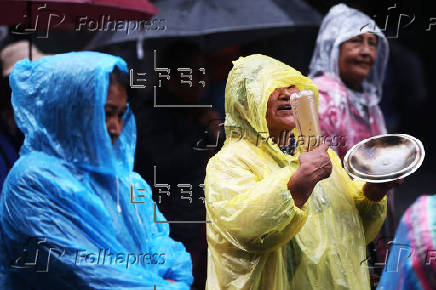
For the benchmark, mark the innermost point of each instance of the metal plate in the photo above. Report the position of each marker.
(384, 158)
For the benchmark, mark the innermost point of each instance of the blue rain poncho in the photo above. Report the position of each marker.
(66, 213)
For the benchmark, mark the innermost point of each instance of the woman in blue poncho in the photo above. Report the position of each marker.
(73, 214)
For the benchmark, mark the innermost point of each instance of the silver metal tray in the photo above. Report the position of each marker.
(384, 158)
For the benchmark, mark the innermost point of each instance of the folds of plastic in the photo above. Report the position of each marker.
(258, 238)
(412, 256)
(340, 24)
(348, 115)
(73, 214)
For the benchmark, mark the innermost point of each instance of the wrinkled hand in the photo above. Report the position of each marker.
(376, 191)
(315, 165)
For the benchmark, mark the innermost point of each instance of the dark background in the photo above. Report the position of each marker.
(408, 101)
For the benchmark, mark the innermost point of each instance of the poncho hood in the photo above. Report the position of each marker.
(249, 85)
(340, 24)
(59, 105)
(76, 190)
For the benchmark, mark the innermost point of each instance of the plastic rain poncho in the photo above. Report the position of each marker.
(66, 204)
(258, 238)
(346, 115)
(412, 257)
(349, 115)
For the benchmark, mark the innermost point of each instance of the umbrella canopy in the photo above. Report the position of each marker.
(30, 16)
(70, 12)
(219, 23)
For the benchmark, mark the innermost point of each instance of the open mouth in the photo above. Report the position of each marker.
(284, 108)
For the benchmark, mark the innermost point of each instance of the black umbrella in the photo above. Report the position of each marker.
(216, 24)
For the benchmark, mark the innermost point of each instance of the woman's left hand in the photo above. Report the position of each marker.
(376, 191)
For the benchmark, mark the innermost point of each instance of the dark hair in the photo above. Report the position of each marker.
(5, 94)
(119, 77)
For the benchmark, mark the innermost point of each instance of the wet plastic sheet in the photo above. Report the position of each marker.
(258, 238)
(68, 197)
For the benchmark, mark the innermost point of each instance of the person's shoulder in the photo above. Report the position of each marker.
(420, 216)
(234, 154)
(237, 149)
(32, 162)
(424, 206)
(420, 220)
(139, 182)
(326, 78)
(35, 170)
(326, 83)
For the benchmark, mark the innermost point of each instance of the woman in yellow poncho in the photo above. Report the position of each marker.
(281, 221)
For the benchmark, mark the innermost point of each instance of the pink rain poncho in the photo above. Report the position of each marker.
(349, 115)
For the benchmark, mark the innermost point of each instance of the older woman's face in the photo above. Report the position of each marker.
(279, 116)
(356, 58)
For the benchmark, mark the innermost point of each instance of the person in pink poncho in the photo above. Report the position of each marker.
(348, 66)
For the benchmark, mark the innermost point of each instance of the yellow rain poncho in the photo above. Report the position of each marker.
(258, 238)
